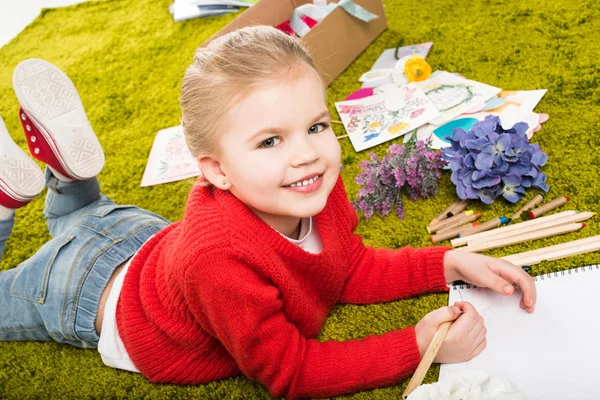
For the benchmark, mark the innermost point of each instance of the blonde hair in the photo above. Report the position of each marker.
(226, 70)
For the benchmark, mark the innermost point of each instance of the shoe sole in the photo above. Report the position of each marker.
(52, 102)
(20, 176)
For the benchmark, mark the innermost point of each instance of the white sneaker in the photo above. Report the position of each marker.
(20, 177)
(54, 121)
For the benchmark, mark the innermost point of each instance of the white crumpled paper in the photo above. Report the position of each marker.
(468, 385)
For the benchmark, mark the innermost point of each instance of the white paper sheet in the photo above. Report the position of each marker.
(551, 353)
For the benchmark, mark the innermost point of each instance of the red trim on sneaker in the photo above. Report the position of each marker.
(37, 140)
(9, 202)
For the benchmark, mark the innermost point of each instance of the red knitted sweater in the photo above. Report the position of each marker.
(221, 293)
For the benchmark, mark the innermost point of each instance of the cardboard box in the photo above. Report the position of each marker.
(334, 43)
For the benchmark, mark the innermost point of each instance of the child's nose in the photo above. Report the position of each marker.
(304, 152)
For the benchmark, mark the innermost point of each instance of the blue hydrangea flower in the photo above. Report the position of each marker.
(490, 161)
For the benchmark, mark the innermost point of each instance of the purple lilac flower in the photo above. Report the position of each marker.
(414, 166)
(490, 161)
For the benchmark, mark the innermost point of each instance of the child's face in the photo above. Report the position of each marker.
(277, 136)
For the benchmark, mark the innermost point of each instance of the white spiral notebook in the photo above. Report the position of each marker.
(552, 353)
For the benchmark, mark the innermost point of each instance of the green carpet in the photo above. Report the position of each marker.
(127, 60)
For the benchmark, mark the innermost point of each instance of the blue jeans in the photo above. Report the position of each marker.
(55, 294)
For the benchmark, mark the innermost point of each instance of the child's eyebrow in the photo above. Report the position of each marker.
(274, 130)
(322, 115)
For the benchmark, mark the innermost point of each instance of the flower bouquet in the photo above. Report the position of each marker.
(490, 161)
(415, 167)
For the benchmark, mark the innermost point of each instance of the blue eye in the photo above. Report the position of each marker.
(270, 142)
(315, 128)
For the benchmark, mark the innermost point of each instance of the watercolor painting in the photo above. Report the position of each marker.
(377, 119)
(454, 95)
(170, 159)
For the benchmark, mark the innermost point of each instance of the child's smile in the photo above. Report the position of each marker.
(307, 184)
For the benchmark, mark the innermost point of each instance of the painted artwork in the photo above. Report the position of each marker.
(377, 119)
(453, 95)
(170, 159)
(510, 106)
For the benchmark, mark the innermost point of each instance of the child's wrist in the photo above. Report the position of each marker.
(450, 266)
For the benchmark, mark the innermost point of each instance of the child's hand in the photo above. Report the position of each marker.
(490, 272)
(465, 338)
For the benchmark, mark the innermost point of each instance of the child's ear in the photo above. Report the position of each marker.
(212, 172)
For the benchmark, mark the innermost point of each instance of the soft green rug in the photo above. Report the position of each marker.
(127, 60)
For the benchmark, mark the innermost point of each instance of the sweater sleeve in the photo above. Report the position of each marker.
(378, 275)
(246, 314)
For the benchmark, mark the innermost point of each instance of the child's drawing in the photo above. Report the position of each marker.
(453, 95)
(170, 159)
(377, 119)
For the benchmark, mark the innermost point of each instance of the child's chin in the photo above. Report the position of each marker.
(309, 211)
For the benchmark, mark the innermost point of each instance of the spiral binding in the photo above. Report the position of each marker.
(543, 277)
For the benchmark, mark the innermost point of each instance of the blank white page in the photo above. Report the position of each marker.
(552, 353)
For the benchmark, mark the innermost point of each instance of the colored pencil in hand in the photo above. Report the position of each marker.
(427, 359)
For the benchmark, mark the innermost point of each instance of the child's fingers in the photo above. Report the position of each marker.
(466, 307)
(476, 329)
(479, 336)
(444, 314)
(467, 320)
(480, 347)
(493, 279)
(519, 277)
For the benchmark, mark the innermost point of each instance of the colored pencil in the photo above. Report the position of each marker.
(457, 208)
(427, 359)
(448, 222)
(540, 234)
(531, 204)
(549, 249)
(446, 234)
(486, 226)
(463, 239)
(460, 227)
(555, 252)
(444, 214)
(580, 217)
(459, 224)
(553, 205)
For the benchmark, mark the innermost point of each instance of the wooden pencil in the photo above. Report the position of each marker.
(486, 226)
(539, 234)
(463, 239)
(427, 359)
(531, 204)
(579, 217)
(457, 226)
(444, 214)
(446, 234)
(555, 252)
(468, 228)
(514, 258)
(553, 205)
(448, 222)
(457, 208)
(460, 224)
